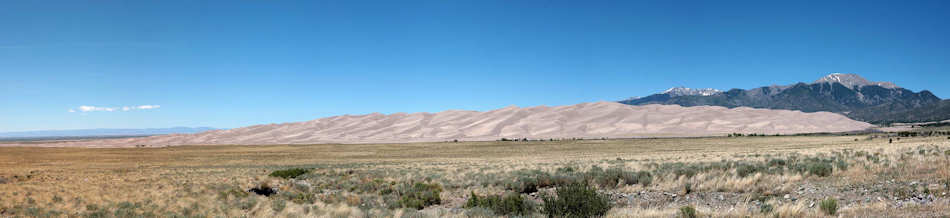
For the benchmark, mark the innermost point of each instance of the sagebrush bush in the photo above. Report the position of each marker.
(743, 170)
(507, 204)
(814, 166)
(575, 200)
(523, 185)
(687, 212)
(820, 169)
(613, 177)
(829, 206)
(776, 162)
(420, 195)
(841, 164)
(278, 205)
(289, 173)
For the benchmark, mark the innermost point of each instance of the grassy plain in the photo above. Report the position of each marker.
(774, 176)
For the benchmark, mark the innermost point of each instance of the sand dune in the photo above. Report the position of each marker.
(587, 120)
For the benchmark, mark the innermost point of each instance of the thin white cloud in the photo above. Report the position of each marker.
(86, 108)
(146, 107)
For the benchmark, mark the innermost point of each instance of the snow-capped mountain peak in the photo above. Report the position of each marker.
(851, 80)
(683, 91)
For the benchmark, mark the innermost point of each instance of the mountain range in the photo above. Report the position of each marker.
(102, 132)
(847, 94)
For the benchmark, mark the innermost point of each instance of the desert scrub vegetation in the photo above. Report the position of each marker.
(289, 173)
(419, 195)
(530, 181)
(829, 206)
(576, 200)
(687, 212)
(735, 177)
(505, 204)
(816, 166)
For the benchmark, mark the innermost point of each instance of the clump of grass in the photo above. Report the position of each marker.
(507, 204)
(420, 195)
(576, 200)
(687, 212)
(278, 205)
(126, 209)
(613, 177)
(289, 173)
(814, 166)
(829, 206)
(229, 191)
(841, 164)
(247, 204)
(299, 197)
(766, 208)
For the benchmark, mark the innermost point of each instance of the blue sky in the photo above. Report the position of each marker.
(234, 63)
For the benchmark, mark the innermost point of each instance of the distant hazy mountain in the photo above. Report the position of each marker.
(102, 132)
(848, 94)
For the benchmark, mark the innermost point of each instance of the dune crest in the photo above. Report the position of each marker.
(586, 120)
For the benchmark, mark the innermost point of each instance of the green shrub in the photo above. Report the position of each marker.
(247, 204)
(687, 212)
(508, 204)
(744, 170)
(644, 178)
(523, 185)
(278, 205)
(633, 178)
(420, 195)
(575, 200)
(613, 177)
(829, 206)
(766, 208)
(776, 162)
(690, 169)
(299, 198)
(289, 173)
(841, 164)
(821, 169)
(814, 166)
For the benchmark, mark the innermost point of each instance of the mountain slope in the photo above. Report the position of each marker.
(901, 113)
(846, 94)
(587, 120)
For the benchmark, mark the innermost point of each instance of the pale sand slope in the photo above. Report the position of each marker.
(587, 120)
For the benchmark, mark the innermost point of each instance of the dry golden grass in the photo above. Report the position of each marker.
(195, 180)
